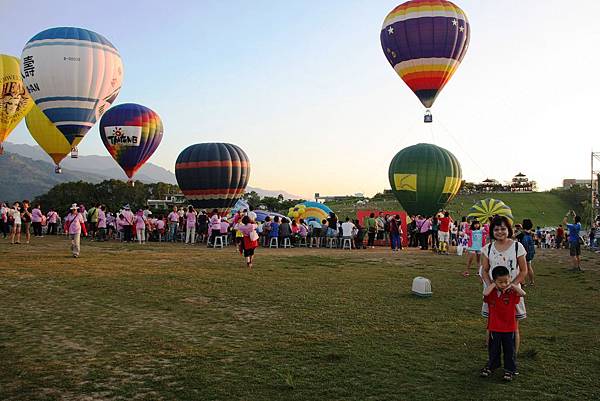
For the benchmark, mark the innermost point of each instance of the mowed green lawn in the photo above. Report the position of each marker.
(179, 322)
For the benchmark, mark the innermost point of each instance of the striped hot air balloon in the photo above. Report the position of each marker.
(213, 175)
(424, 178)
(425, 42)
(489, 207)
(73, 75)
(131, 133)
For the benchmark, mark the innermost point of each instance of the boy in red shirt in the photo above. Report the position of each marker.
(502, 296)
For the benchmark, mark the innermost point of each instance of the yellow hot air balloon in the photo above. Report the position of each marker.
(48, 136)
(15, 101)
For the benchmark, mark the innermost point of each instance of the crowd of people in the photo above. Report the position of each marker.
(504, 254)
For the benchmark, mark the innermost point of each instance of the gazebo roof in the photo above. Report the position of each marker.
(520, 175)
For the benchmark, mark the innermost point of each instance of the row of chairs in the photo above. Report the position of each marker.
(315, 242)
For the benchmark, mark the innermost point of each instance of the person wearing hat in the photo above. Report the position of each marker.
(127, 224)
(74, 224)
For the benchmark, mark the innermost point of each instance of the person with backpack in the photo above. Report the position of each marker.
(525, 237)
(504, 251)
(93, 220)
(371, 226)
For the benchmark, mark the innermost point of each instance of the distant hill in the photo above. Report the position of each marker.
(105, 167)
(98, 165)
(24, 178)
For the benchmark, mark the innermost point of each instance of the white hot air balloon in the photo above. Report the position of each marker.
(73, 75)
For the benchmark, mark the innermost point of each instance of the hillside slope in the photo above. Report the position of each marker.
(24, 178)
(544, 208)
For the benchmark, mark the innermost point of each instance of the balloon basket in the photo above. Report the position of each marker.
(74, 153)
(131, 183)
(57, 169)
(428, 117)
(1, 150)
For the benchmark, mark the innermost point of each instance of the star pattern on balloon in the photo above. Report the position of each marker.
(391, 30)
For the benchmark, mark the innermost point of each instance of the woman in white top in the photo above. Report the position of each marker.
(504, 251)
(15, 212)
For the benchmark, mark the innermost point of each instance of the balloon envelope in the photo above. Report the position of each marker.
(424, 178)
(50, 139)
(425, 42)
(131, 133)
(489, 207)
(15, 102)
(213, 175)
(73, 75)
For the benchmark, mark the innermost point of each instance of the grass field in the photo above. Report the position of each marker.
(172, 322)
(544, 208)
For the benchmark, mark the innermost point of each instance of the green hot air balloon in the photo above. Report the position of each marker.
(424, 178)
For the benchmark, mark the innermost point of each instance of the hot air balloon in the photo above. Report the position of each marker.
(15, 102)
(73, 75)
(425, 42)
(131, 133)
(489, 207)
(424, 178)
(50, 139)
(213, 175)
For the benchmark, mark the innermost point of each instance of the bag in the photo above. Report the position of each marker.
(253, 236)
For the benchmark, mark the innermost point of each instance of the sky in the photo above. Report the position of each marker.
(305, 89)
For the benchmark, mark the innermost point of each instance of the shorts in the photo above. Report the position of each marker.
(443, 236)
(475, 251)
(574, 248)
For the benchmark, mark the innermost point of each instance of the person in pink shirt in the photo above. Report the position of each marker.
(36, 220)
(214, 227)
(102, 223)
(160, 227)
(173, 219)
(250, 239)
(140, 226)
(127, 223)
(74, 223)
(190, 225)
(52, 218)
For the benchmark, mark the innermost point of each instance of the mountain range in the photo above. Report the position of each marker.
(27, 171)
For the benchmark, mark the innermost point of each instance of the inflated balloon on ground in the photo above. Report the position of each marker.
(424, 178)
(489, 207)
(213, 175)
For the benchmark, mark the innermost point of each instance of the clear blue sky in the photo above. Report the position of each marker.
(305, 89)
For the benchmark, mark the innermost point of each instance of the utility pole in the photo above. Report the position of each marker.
(595, 187)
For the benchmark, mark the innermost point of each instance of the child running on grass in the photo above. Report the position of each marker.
(502, 296)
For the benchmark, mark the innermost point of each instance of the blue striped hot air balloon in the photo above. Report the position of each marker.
(213, 175)
(73, 75)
